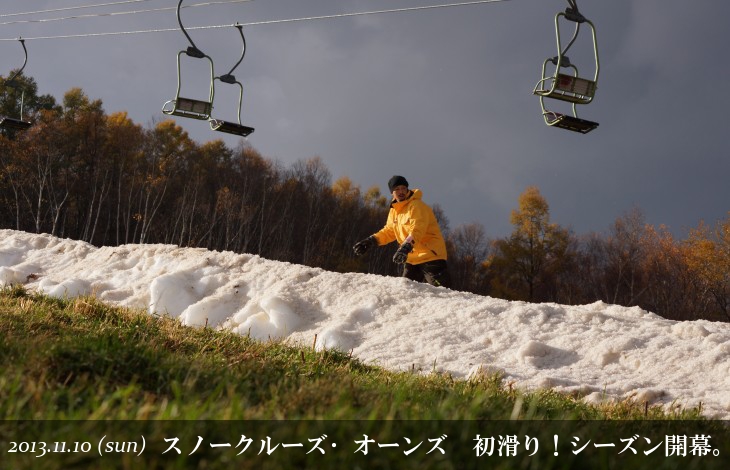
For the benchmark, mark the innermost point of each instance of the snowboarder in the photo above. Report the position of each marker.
(412, 223)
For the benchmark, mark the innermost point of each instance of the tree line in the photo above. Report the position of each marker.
(81, 173)
(633, 263)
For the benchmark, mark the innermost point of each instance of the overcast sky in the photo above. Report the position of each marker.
(441, 96)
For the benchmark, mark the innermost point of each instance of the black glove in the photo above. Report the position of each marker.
(362, 246)
(401, 255)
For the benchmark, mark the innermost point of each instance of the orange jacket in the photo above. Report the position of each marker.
(414, 217)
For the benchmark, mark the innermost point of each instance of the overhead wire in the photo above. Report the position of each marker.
(80, 7)
(265, 22)
(120, 13)
(375, 12)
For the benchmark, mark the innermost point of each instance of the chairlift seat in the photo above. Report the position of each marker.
(230, 127)
(14, 124)
(569, 88)
(190, 108)
(571, 123)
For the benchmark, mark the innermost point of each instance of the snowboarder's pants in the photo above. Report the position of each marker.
(433, 272)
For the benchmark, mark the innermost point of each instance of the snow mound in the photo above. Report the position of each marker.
(599, 351)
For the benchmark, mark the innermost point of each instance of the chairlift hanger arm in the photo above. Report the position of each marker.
(25, 62)
(574, 15)
(572, 40)
(193, 50)
(229, 78)
(562, 60)
(562, 51)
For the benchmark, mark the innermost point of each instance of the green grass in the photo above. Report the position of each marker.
(82, 360)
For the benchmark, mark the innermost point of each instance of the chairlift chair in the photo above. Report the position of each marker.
(230, 127)
(574, 90)
(188, 107)
(10, 123)
(570, 87)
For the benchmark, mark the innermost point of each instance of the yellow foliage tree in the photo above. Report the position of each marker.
(533, 255)
(374, 198)
(708, 255)
(345, 190)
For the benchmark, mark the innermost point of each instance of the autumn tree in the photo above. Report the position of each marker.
(253, 174)
(374, 198)
(615, 265)
(356, 217)
(469, 249)
(123, 152)
(526, 264)
(25, 172)
(708, 256)
(168, 151)
(670, 289)
(11, 184)
(86, 171)
(316, 181)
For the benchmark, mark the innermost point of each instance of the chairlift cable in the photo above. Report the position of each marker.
(120, 13)
(81, 7)
(375, 12)
(265, 22)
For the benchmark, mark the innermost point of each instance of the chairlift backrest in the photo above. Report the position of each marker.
(565, 87)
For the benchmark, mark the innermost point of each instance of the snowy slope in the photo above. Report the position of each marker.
(602, 351)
